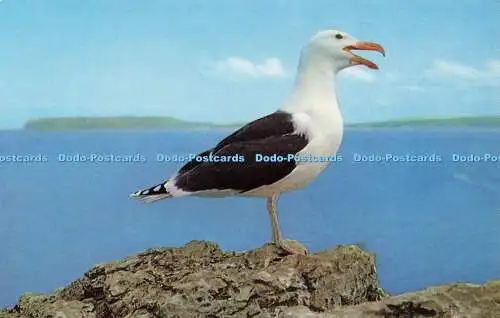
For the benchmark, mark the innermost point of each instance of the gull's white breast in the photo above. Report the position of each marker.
(324, 131)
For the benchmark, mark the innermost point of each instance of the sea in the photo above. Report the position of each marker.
(425, 201)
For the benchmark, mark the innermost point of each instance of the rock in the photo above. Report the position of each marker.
(201, 280)
(450, 301)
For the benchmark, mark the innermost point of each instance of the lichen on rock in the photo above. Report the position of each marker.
(201, 280)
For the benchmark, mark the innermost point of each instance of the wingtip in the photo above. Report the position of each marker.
(134, 195)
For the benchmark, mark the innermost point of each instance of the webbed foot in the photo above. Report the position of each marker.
(292, 247)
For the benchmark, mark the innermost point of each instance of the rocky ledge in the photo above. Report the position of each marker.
(201, 280)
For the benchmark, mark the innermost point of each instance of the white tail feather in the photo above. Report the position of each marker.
(151, 198)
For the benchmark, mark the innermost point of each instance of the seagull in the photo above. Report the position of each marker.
(309, 124)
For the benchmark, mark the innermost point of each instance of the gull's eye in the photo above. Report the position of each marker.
(339, 36)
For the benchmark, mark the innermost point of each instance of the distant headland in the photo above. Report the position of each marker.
(451, 121)
(165, 122)
(120, 122)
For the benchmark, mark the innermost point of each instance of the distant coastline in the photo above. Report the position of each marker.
(165, 122)
(418, 122)
(119, 122)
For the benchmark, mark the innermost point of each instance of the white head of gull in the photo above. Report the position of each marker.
(283, 151)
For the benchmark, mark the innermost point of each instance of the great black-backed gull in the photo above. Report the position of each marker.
(309, 125)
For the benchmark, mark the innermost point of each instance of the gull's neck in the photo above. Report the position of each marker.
(314, 88)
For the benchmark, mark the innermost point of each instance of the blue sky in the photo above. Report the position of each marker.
(227, 61)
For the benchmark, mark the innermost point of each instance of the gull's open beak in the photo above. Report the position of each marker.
(367, 46)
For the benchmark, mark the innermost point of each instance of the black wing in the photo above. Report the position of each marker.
(247, 175)
(278, 123)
